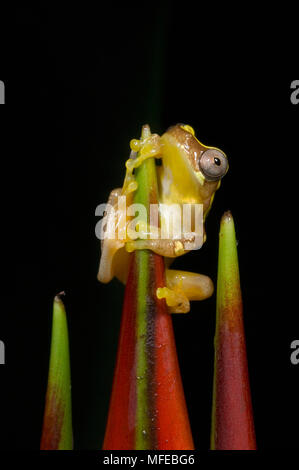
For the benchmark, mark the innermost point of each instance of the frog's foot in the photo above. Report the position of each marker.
(176, 300)
(168, 248)
(182, 287)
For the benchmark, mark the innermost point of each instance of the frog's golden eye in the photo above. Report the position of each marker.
(213, 164)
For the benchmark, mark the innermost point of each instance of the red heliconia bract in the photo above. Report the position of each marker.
(232, 416)
(147, 407)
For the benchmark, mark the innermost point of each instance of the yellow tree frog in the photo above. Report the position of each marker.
(190, 173)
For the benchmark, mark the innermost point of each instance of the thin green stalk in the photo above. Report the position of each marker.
(147, 188)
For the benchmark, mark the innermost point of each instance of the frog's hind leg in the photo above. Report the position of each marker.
(183, 286)
(109, 247)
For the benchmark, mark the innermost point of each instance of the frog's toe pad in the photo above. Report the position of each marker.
(175, 299)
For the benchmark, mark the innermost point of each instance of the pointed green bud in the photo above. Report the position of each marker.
(57, 427)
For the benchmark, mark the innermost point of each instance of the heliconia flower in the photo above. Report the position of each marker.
(147, 407)
(232, 415)
(57, 425)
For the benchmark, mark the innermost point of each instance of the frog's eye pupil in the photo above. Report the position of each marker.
(217, 161)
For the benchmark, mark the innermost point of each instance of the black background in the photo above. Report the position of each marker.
(80, 82)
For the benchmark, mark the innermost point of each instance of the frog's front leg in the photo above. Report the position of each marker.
(141, 150)
(183, 286)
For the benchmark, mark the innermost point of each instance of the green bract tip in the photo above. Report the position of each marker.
(57, 426)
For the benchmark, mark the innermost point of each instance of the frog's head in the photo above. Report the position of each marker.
(196, 170)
